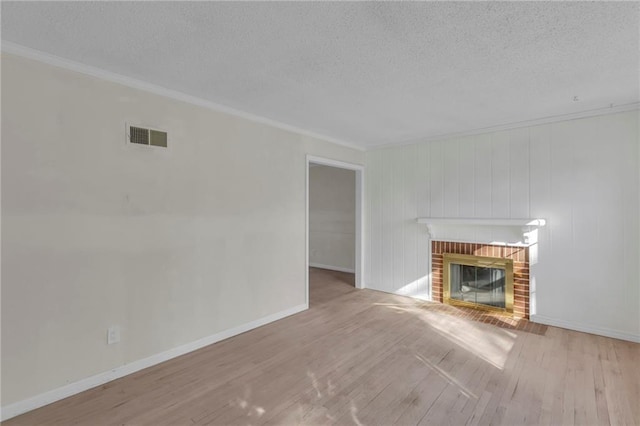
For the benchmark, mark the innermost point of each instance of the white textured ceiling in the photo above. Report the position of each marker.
(367, 73)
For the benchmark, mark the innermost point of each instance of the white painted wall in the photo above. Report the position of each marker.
(171, 245)
(581, 175)
(332, 214)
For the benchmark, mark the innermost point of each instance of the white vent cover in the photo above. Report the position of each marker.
(145, 136)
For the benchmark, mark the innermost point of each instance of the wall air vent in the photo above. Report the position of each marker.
(139, 135)
(143, 136)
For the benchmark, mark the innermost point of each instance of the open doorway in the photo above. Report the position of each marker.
(334, 226)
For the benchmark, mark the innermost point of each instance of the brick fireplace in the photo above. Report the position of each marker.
(519, 256)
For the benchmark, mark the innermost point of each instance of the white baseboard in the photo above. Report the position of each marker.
(423, 297)
(332, 268)
(419, 296)
(600, 331)
(57, 394)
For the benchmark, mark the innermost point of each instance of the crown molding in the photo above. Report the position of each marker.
(633, 106)
(37, 55)
(59, 62)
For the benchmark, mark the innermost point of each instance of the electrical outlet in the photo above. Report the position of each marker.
(113, 335)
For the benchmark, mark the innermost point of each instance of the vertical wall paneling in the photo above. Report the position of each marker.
(410, 259)
(424, 208)
(451, 183)
(500, 168)
(539, 202)
(372, 217)
(467, 183)
(562, 182)
(519, 174)
(580, 175)
(482, 175)
(436, 179)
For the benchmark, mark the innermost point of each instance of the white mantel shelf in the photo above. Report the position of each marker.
(526, 227)
(481, 221)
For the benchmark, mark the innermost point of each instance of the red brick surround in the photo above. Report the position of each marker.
(519, 255)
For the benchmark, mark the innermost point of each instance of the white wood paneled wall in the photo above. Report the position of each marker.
(580, 175)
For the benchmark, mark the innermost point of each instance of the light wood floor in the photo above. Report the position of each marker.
(364, 357)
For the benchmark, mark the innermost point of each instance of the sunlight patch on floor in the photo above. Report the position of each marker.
(244, 404)
(492, 344)
(448, 377)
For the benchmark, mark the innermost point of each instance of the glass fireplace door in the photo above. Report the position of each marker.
(478, 281)
(476, 284)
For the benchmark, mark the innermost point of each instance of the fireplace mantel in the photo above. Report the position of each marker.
(525, 225)
(481, 221)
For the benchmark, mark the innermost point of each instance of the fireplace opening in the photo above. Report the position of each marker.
(478, 281)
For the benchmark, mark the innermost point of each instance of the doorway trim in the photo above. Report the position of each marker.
(359, 170)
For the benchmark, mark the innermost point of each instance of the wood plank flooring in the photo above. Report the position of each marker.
(368, 358)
